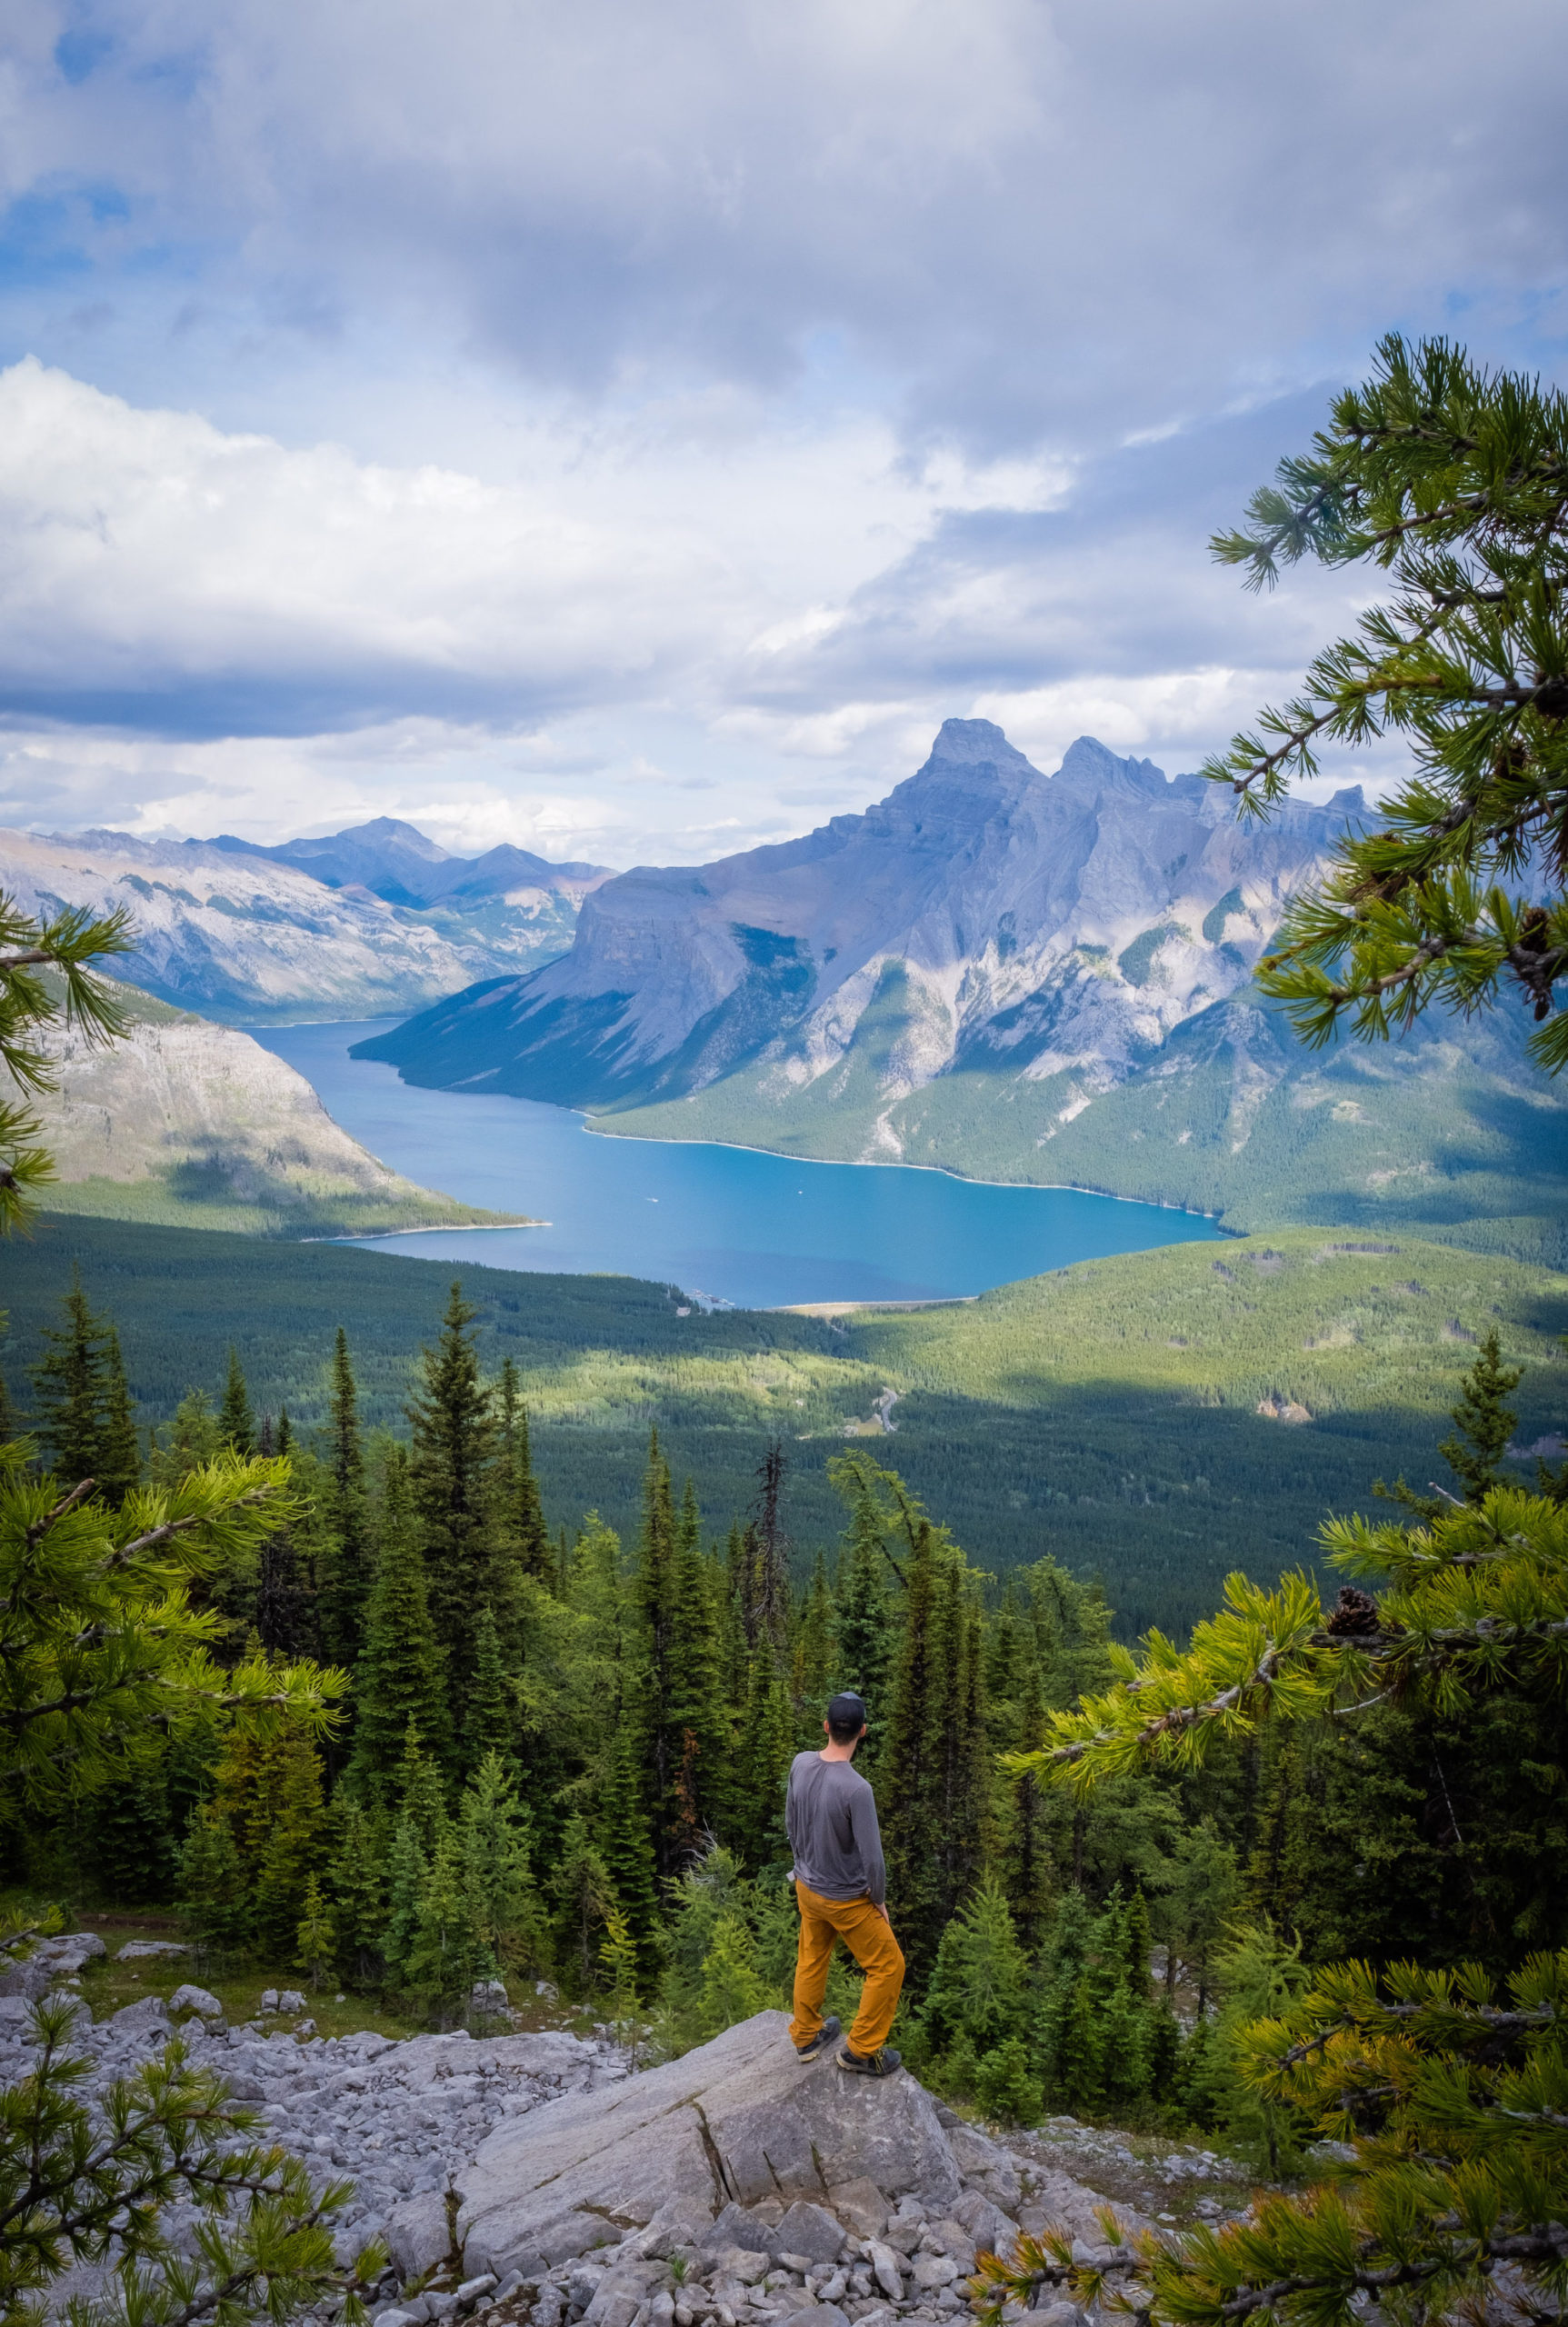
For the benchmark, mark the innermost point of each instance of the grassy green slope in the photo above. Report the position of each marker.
(1463, 1143)
(1106, 1413)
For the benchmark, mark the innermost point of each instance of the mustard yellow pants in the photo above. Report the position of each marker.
(869, 1938)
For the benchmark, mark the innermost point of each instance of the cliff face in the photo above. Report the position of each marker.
(983, 913)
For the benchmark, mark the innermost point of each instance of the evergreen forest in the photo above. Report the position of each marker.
(561, 1755)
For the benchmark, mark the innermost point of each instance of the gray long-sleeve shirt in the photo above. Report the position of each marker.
(830, 1813)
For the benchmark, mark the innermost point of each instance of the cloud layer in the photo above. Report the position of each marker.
(653, 420)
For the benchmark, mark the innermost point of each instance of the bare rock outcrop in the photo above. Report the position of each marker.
(740, 2119)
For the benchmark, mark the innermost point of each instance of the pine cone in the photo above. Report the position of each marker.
(1354, 1615)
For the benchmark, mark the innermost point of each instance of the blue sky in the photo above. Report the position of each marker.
(629, 430)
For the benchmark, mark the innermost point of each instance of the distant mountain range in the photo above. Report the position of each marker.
(1018, 977)
(396, 861)
(366, 923)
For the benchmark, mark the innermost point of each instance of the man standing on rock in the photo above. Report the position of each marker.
(841, 1888)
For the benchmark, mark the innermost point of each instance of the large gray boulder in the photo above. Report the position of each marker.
(737, 2120)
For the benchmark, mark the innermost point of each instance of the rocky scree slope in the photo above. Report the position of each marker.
(983, 911)
(536, 2178)
(187, 1124)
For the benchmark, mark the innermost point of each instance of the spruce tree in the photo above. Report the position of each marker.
(495, 1834)
(492, 1719)
(408, 1868)
(581, 1888)
(697, 1732)
(10, 1421)
(1483, 1422)
(283, 1602)
(864, 1638)
(346, 1561)
(214, 1895)
(357, 1889)
(814, 1657)
(453, 1478)
(236, 1423)
(285, 1834)
(71, 1390)
(625, 1836)
(315, 1937)
(534, 1553)
(447, 1952)
(764, 1750)
(652, 1598)
(119, 1451)
(285, 1432)
(400, 1677)
(914, 1760)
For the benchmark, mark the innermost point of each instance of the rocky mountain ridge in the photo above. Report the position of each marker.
(396, 861)
(251, 935)
(984, 913)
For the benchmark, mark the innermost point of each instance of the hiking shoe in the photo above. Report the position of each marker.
(820, 2042)
(882, 2063)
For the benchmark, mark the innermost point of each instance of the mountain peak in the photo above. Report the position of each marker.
(970, 743)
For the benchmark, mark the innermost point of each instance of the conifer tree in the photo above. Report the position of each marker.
(491, 1725)
(1450, 479)
(408, 1868)
(285, 1834)
(764, 1750)
(315, 1938)
(448, 1953)
(453, 1475)
(348, 1562)
(534, 1553)
(285, 1432)
(10, 1421)
(214, 1895)
(400, 1677)
(732, 1988)
(696, 1740)
(494, 1831)
(813, 1661)
(865, 1635)
(282, 1610)
(119, 1453)
(71, 1388)
(581, 1888)
(236, 1423)
(932, 1791)
(624, 1837)
(1483, 1422)
(357, 1889)
(419, 1793)
(653, 1593)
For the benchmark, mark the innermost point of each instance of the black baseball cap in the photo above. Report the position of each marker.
(846, 1709)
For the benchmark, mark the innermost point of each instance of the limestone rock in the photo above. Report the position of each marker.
(884, 2268)
(418, 2233)
(819, 2314)
(737, 2118)
(137, 1950)
(861, 2204)
(811, 2231)
(147, 2012)
(190, 1998)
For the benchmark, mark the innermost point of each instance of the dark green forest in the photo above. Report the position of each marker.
(562, 1754)
(1105, 1415)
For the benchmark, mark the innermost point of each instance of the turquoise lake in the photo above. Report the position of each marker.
(725, 1224)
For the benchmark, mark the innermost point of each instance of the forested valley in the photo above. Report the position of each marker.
(562, 1757)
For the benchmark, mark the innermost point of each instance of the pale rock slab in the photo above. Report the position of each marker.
(739, 2119)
